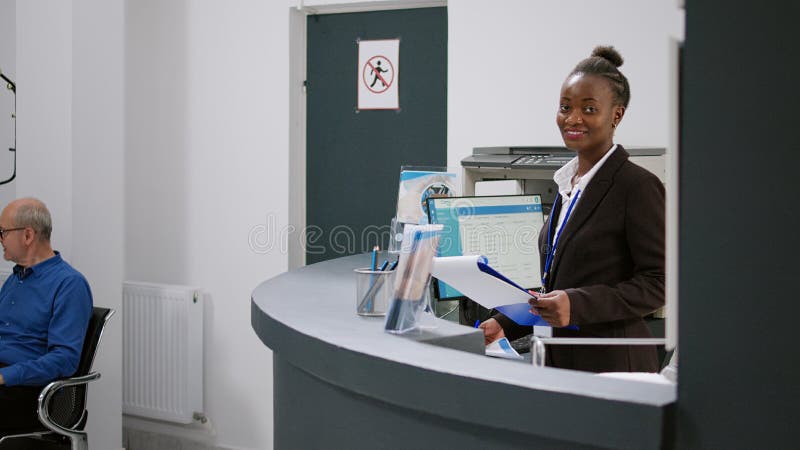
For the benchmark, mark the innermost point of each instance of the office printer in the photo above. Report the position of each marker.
(534, 167)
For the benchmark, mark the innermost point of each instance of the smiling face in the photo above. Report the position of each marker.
(587, 114)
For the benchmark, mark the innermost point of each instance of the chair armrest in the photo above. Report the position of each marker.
(48, 392)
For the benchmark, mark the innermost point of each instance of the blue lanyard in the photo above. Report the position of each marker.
(551, 246)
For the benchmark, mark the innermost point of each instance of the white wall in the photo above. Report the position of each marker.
(206, 163)
(507, 61)
(44, 111)
(70, 149)
(97, 192)
(8, 66)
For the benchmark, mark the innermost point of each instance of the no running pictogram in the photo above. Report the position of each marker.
(378, 74)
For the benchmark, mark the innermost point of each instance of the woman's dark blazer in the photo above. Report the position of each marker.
(610, 262)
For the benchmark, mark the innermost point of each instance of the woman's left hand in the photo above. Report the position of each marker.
(553, 307)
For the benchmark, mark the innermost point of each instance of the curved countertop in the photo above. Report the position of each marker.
(307, 317)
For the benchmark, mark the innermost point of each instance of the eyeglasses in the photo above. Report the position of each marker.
(3, 232)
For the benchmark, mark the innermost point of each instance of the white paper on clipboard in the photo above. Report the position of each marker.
(464, 273)
(473, 277)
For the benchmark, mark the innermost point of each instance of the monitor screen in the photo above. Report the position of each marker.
(505, 229)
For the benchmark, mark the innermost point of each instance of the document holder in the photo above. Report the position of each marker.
(412, 277)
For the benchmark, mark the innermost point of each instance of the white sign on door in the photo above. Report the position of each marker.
(378, 70)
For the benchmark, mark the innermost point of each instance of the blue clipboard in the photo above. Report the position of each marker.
(518, 312)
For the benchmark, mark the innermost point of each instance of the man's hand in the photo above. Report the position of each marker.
(492, 331)
(2, 381)
(554, 308)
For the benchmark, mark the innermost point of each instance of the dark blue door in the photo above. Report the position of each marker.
(354, 157)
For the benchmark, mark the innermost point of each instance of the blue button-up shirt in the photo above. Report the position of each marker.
(44, 312)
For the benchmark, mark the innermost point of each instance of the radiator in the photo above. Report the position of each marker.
(162, 364)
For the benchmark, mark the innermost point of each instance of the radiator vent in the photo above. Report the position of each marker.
(162, 351)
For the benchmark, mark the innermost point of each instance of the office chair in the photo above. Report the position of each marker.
(62, 403)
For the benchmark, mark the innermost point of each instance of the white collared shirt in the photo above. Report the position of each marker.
(563, 178)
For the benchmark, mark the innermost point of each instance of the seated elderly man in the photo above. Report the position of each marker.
(45, 307)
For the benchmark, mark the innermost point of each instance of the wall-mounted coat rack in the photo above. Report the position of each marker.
(11, 86)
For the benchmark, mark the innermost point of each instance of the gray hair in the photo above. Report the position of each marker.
(34, 214)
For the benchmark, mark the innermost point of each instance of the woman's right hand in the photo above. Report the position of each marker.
(492, 331)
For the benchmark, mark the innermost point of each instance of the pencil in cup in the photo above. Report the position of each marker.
(373, 291)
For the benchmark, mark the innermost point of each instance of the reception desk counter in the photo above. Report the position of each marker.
(340, 381)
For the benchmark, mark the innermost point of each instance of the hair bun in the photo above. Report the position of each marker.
(608, 53)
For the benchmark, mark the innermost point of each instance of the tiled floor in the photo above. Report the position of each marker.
(143, 440)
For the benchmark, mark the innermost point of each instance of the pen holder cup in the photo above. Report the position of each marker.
(374, 289)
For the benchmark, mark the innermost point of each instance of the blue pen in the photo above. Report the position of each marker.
(477, 323)
(384, 265)
(373, 282)
(394, 265)
(375, 258)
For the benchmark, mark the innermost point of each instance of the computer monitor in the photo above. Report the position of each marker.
(505, 229)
